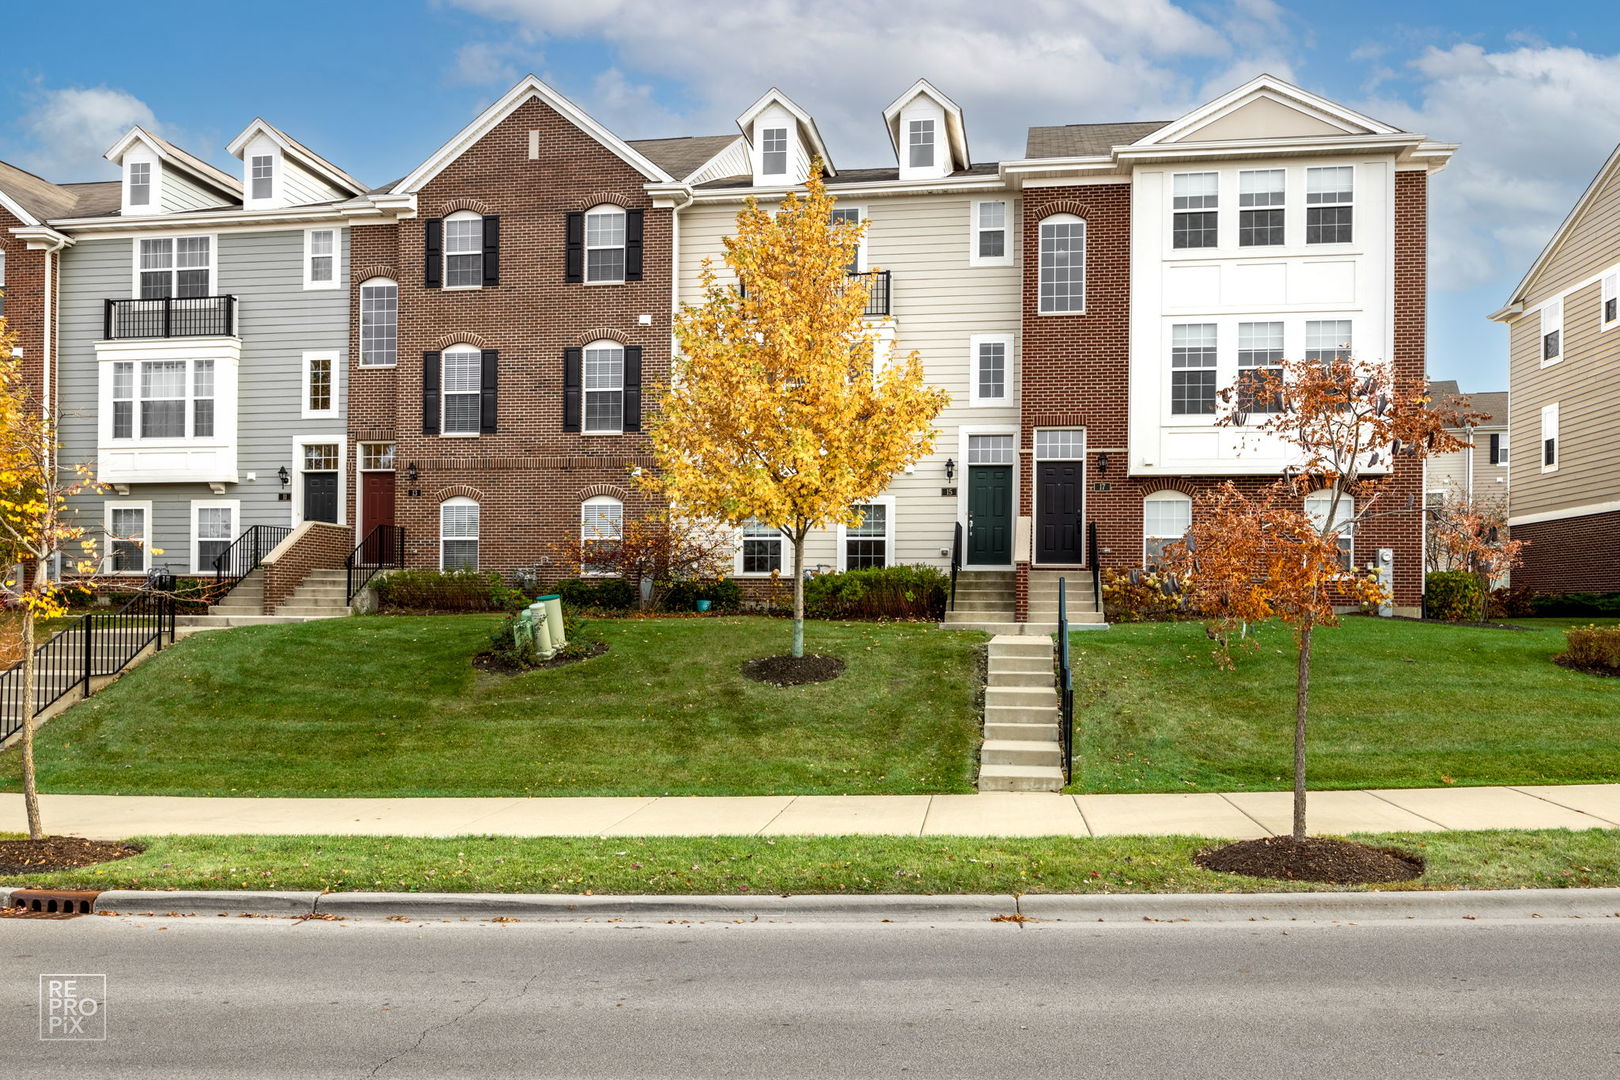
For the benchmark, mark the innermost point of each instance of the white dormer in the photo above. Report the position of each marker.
(143, 180)
(160, 178)
(279, 171)
(927, 132)
(262, 171)
(782, 140)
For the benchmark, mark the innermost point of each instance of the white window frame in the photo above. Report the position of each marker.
(1549, 433)
(1164, 495)
(310, 255)
(784, 551)
(1249, 201)
(860, 265)
(173, 269)
(143, 505)
(1503, 449)
(1347, 512)
(234, 506)
(1552, 322)
(765, 134)
(137, 429)
(151, 184)
(1607, 294)
(296, 470)
(1187, 201)
(1213, 367)
(586, 390)
(376, 283)
(478, 529)
(606, 210)
(587, 519)
(1041, 274)
(976, 227)
(922, 126)
(1312, 202)
(476, 393)
(272, 177)
(976, 344)
(889, 531)
(478, 249)
(332, 412)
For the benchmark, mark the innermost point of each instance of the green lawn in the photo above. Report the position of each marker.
(798, 864)
(1394, 704)
(390, 706)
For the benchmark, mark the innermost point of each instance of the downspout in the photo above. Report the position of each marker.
(1468, 467)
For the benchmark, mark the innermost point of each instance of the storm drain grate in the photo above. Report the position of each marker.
(44, 903)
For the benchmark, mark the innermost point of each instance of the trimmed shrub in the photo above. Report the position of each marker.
(1595, 648)
(886, 592)
(1451, 596)
(724, 595)
(1576, 604)
(608, 595)
(1512, 602)
(445, 590)
(1143, 596)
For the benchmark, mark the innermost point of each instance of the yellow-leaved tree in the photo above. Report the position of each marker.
(775, 412)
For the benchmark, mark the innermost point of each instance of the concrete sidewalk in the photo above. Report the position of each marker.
(1240, 815)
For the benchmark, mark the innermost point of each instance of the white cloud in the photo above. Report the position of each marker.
(485, 62)
(71, 128)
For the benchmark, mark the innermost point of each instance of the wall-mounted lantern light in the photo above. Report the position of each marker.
(1102, 463)
(950, 469)
(284, 476)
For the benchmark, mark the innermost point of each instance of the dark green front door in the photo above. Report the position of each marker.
(990, 521)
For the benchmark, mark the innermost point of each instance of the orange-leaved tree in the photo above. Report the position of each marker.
(776, 410)
(655, 551)
(1470, 534)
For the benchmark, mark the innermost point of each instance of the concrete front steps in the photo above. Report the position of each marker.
(324, 594)
(321, 595)
(984, 601)
(1022, 749)
(1079, 594)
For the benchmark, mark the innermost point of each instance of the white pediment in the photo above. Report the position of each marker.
(1267, 108)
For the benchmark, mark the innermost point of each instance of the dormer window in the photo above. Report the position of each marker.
(773, 147)
(262, 173)
(921, 142)
(140, 183)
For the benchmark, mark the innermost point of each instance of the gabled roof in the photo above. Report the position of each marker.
(1086, 140)
(955, 131)
(34, 200)
(527, 88)
(1491, 407)
(303, 155)
(807, 124)
(683, 156)
(1610, 169)
(1330, 114)
(171, 155)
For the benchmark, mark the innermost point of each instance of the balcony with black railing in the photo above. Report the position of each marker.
(170, 317)
(876, 283)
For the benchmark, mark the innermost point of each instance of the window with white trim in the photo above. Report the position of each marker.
(140, 183)
(1329, 199)
(1499, 448)
(379, 323)
(321, 259)
(263, 170)
(458, 534)
(1319, 508)
(163, 399)
(376, 457)
(213, 529)
(920, 143)
(761, 548)
(992, 369)
(1063, 265)
(320, 384)
(1060, 444)
(866, 546)
(773, 151)
(601, 527)
(1260, 207)
(1194, 198)
(991, 450)
(1327, 339)
(1259, 359)
(1608, 304)
(176, 266)
(127, 551)
(1166, 517)
(1549, 437)
(1552, 332)
(1192, 369)
(604, 388)
(604, 244)
(463, 382)
(990, 236)
(464, 250)
(852, 215)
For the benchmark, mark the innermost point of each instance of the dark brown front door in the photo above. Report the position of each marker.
(376, 499)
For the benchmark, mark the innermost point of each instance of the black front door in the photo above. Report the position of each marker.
(320, 496)
(989, 515)
(1057, 511)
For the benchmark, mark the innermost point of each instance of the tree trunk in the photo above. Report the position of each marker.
(36, 831)
(798, 593)
(1302, 700)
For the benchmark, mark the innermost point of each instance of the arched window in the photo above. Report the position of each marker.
(601, 527)
(379, 323)
(604, 388)
(604, 244)
(462, 382)
(458, 534)
(1319, 505)
(1166, 517)
(463, 250)
(1063, 265)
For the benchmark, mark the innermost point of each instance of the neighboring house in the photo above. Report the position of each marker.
(1479, 472)
(1563, 325)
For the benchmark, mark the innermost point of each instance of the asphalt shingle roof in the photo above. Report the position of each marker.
(683, 156)
(1086, 140)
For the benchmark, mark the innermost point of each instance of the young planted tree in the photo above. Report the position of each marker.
(775, 411)
(655, 552)
(1471, 535)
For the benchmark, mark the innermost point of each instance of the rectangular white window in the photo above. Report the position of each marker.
(202, 399)
(990, 246)
(123, 399)
(1549, 437)
(1552, 332)
(175, 267)
(1608, 309)
(320, 259)
(379, 323)
(1499, 448)
(852, 215)
(1329, 195)
(458, 535)
(1260, 356)
(1166, 517)
(1063, 265)
(463, 251)
(140, 183)
(773, 151)
(761, 548)
(126, 547)
(1319, 505)
(1328, 339)
(377, 457)
(1260, 207)
(992, 369)
(320, 457)
(990, 450)
(462, 382)
(163, 399)
(867, 545)
(213, 528)
(604, 245)
(1060, 444)
(153, 399)
(1194, 198)
(320, 384)
(604, 389)
(264, 174)
(920, 144)
(1192, 369)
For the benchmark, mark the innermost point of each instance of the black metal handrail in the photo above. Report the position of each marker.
(94, 645)
(878, 297)
(382, 549)
(1096, 567)
(245, 554)
(1065, 683)
(170, 317)
(956, 561)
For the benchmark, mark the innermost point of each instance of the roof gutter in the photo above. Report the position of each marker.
(382, 206)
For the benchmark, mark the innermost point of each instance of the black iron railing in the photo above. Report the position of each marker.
(1065, 683)
(170, 317)
(876, 283)
(94, 645)
(382, 549)
(1096, 567)
(956, 561)
(245, 554)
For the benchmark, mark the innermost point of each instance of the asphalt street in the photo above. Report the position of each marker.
(237, 997)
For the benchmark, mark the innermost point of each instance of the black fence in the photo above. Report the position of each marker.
(1096, 567)
(877, 291)
(382, 549)
(169, 317)
(94, 645)
(247, 552)
(1065, 683)
(956, 561)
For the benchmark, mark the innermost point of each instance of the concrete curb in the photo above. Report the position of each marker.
(568, 907)
(216, 902)
(1325, 906)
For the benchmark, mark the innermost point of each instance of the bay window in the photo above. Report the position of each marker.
(169, 392)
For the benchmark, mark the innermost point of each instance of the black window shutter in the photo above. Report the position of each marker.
(632, 245)
(572, 364)
(486, 389)
(433, 253)
(575, 263)
(492, 249)
(1496, 449)
(632, 388)
(430, 393)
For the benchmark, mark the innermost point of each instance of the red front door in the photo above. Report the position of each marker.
(376, 499)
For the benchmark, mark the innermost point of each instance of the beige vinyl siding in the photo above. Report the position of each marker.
(1490, 481)
(1447, 473)
(1592, 245)
(939, 304)
(301, 188)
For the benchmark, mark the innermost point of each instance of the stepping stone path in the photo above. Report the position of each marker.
(1022, 750)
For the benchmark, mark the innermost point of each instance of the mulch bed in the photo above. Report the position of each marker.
(500, 664)
(1332, 862)
(793, 670)
(1563, 660)
(59, 853)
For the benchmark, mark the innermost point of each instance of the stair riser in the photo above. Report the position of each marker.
(1038, 754)
(1038, 649)
(1002, 697)
(1041, 665)
(1018, 783)
(1016, 680)
(1021, 714)
(1001, 604)
(1033, 733)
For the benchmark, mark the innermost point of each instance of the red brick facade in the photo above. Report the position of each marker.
(314, 545)
(529, 477)
(25, 297)
(1076, 373)
(1575, 554)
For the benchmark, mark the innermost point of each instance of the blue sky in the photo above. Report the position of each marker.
(1532, 92)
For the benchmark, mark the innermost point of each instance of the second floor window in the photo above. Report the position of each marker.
(1260, 356)
(773, 152)
(1329, 195)
(1063, 264)
(1194, 198)
(462, 383)
(1260, 208)
(264, 175)
(990, 375)
(1192, 369)
(320, 258)
(604, 244)
(140, 183)
(920, 141)
(163, 399)
(990, 231)
(176, 266)
(1610, 299)
(1552, 331)
(1549, 437)
(463, 251)
(604, 388)
(1328, 339)
(379, 323)
(852, 215)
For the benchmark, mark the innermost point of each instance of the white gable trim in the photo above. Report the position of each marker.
(216, 179)
(807, 124)
(527, 87)
(956, 130)
(28, 220)
(1514, 305)
(1269, 86)
(319, 166)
